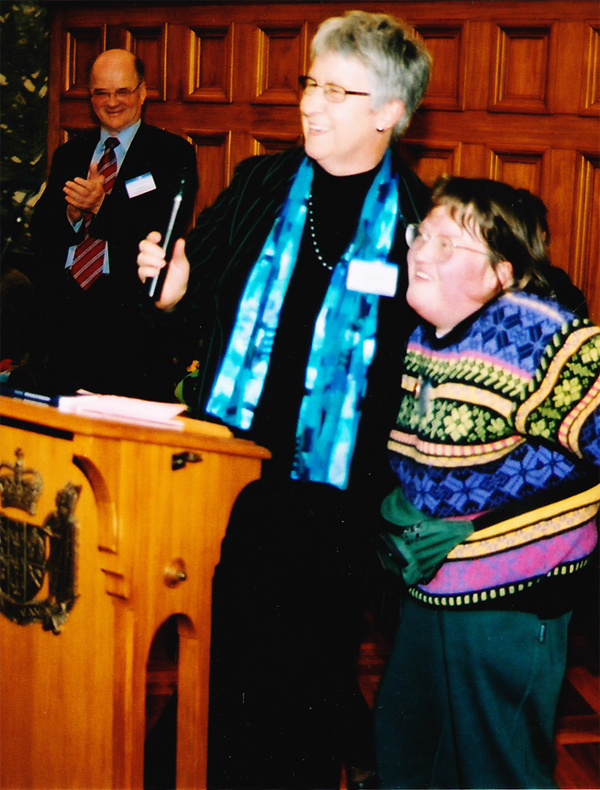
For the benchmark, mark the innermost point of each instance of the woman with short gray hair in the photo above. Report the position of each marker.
(294, 281)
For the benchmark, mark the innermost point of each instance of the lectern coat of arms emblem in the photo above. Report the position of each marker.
(37, 563)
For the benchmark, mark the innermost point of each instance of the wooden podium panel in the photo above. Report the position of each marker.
(107, 530)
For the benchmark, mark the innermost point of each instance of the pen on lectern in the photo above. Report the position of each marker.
(176, 203)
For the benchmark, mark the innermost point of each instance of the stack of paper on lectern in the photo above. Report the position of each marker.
(115, 407)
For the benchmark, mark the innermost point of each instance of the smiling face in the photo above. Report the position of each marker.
(343, 138)
(444, 294)
(114, 70)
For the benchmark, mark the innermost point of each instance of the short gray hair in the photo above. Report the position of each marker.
(399, 63)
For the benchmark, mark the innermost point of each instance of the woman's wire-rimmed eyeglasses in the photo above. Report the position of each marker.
(333, 93)
(444, 248)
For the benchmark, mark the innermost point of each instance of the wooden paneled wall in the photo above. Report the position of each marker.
(515, 92)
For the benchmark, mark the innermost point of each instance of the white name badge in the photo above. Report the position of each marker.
(372, 277)
(140, 185)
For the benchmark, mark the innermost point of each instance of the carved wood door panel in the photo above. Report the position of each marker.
(514, 93)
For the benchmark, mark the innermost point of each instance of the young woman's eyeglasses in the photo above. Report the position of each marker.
(120, 93)
(443, 246)
(333, 93)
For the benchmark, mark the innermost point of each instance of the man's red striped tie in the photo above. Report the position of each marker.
(88, 260)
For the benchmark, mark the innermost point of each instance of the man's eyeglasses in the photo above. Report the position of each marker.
(333, 93)
(120, 93)
(443, 246)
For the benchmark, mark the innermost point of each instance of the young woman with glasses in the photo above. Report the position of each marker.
(492, 525)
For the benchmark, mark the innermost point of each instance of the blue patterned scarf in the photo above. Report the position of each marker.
(343, 343)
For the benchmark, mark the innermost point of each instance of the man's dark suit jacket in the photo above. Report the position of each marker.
(97, 339)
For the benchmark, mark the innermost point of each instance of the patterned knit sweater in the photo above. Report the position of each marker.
(499, 421)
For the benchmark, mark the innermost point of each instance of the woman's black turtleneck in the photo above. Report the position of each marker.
(337, 203)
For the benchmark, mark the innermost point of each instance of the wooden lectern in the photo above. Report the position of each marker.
(107, 530)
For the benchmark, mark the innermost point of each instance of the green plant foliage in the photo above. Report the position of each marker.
(23, 115)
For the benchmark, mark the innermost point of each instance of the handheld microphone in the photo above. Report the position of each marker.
(176, 204)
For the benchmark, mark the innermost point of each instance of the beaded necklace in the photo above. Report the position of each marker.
(311, 225)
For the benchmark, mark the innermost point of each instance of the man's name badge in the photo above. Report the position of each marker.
(372, 277)
(140, 185)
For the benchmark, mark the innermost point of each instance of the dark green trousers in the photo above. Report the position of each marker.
(469, 700)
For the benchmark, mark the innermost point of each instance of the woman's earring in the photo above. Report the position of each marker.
(379, 129)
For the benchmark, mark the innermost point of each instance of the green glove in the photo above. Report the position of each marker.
(418, 550)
